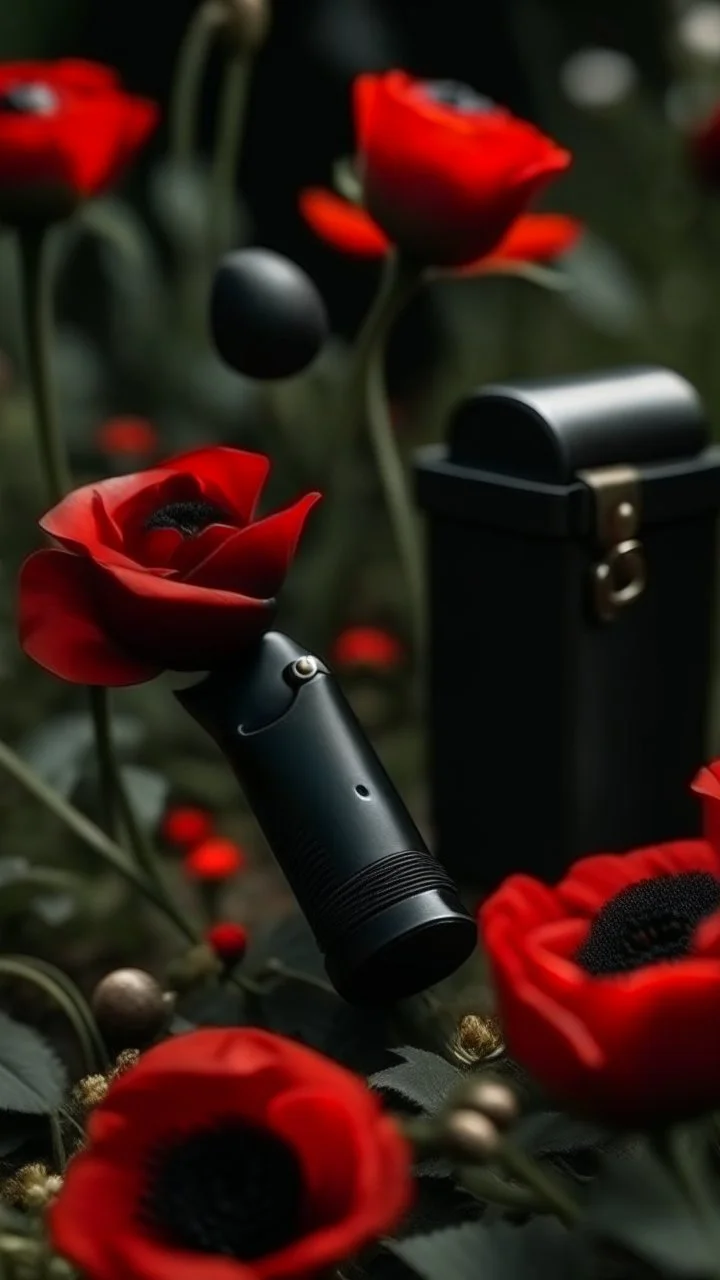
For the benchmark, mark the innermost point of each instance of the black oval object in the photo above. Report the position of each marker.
(266, 315)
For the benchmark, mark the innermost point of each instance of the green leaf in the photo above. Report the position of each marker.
(58, 749)
(540, 1250)
(422, 1079)
(635, 1203)
(548, 1133)
(147, 792)
(32, 1078)
(602, 288)
(22, 885)
(346, 181)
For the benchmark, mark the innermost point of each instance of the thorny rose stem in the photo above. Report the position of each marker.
(36, 283)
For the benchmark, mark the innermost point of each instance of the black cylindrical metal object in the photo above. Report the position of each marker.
(571, 531)
(385, 913)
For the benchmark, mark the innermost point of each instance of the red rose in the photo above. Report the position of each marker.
(445, 173)
(608, 984)
(533, 237)
(67, 130)
(164, 569)
(230, 1154)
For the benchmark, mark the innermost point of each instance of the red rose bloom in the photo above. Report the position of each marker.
(185, 825)
(608, 984)
(67, 130)
(231, 1155)
(164, 569)
(444, 173)
(533, 237)
(369, 648)
(214, 859)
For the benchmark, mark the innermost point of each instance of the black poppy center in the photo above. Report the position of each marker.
(234, 1190)
(649, 922)
(451, 93)
(29, 100)
(188, 517)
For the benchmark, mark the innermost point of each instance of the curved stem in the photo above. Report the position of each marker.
(36, 284)
(365, 398)
(102, 845)
(232, 113)
(184, 108)
(67, 997)
(547, 1187)
(102, 725)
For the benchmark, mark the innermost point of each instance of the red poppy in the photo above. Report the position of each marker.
(214, 859)
(127, 437)
(704, 150)
(533, 237)
(67, 130)
(165, 569)
(443, 171)
(232, 1154)
(229, 941)
(367, 647)
(186, 825)
(608, 984)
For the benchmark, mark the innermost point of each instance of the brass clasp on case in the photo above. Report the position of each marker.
(620, 576)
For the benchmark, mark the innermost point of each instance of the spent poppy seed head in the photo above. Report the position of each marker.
(214, 859)
(228, 940)
(186, 825)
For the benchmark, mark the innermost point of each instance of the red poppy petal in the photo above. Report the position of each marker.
(232, 477)
(67, 73)
(80, 519)
(116, 1188)
(533, 237)
(343, 225)
(192, 551)
(591, 881)
(90, 139)
(59, 627)
(527, 902)
(349, 1218)
(256, 559)
(181, 627)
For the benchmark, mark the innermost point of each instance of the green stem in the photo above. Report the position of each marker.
(678, 1149)
(232, 113)
(58, 1146)
(102, 725)
(545, 1186)
(184, 109)
(36, 282)
(364, 396)
(62, 990)
(101, 844)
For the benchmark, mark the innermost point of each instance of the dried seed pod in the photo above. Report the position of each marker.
(477, 1038)
(247, 22)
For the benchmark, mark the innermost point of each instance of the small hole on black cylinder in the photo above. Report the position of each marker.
(362, 791)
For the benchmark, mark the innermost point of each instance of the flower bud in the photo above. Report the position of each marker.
(194, 968)
(129, 1007)
(487, 1097)
(247, 22)
(469, 1138)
